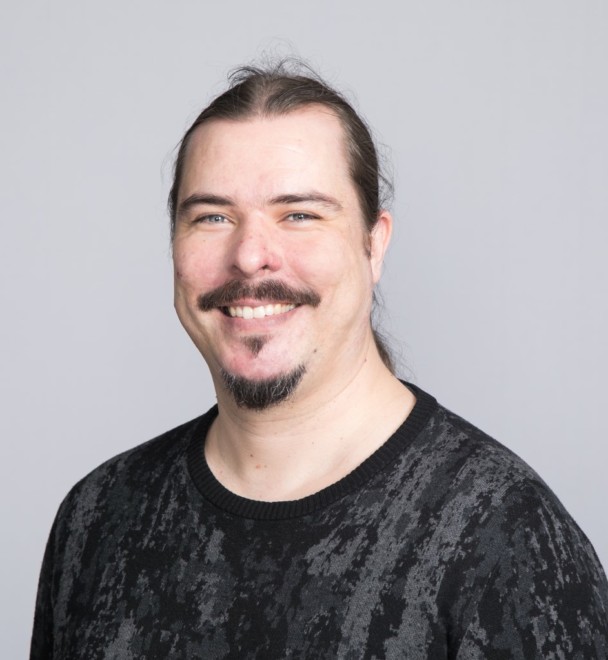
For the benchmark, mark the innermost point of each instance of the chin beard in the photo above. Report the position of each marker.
(262, 394)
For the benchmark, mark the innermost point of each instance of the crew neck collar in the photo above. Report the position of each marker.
(222, 498)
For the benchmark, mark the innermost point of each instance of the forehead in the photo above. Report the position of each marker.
(304, 148)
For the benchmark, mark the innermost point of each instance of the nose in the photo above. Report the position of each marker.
(255, 250)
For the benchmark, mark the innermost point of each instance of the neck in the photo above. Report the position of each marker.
(314, 439)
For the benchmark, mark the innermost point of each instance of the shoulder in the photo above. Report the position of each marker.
(514, 561)
(137, 472)
(498, 484)
(488, 500)
(472, 464)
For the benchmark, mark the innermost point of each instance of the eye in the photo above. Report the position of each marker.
(211, 219)
(300, 217)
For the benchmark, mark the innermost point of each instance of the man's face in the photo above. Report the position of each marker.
(273, 273)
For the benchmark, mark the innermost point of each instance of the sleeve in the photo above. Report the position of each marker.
(546, 595)
(42, 634)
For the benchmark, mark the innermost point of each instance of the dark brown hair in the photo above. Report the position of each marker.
(282, 88)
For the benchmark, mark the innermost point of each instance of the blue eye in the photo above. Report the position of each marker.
(212, 219)
(300, 217)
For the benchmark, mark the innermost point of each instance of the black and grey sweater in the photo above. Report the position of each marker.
(443, 544)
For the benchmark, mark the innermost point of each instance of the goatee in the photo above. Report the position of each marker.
(262, 394)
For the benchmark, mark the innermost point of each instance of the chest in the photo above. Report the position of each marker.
(252, 591)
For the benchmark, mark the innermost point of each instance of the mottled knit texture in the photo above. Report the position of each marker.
(443, 544)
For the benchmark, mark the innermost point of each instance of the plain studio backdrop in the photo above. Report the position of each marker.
(496, 115)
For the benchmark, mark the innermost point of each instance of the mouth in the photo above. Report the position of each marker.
(259, 312)
(245, 300)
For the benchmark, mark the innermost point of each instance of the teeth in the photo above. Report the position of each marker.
(259, 312)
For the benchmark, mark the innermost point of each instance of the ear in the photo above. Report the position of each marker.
(379, 239)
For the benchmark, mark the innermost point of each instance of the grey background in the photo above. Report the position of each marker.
(496, 113)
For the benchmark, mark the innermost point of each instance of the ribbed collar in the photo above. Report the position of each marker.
(224, 499)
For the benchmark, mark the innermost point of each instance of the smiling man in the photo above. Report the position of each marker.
(323, 508)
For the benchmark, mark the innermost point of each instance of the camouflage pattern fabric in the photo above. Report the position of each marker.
(443, 544)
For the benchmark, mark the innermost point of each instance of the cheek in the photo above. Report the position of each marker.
(178, 273)
(314, 265)
(193, 269)
(340, 261)
(183, 274)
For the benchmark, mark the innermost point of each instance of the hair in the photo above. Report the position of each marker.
(279, 89)
(262, 394)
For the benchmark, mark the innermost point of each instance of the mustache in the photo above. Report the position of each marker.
(271, 290)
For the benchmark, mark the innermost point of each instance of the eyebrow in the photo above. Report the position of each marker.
(201, 198)
(312, 196)
(296, 198)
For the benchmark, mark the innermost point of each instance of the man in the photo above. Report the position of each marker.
(323, 508)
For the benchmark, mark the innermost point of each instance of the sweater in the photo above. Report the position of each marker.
(442, 544)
